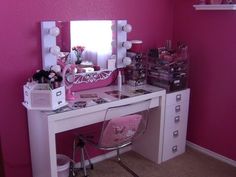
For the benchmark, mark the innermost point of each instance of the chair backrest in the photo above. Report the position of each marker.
(121, 127)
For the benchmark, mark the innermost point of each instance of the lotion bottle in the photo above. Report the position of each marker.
(119, 80)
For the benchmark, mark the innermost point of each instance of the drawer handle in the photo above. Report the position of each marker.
(176, 133)
(59, 102)
(175, 148)
(58, 93)
(178, 97)
(177, 108)
(177, 119)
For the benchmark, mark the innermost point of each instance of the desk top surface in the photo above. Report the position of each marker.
(98, 96)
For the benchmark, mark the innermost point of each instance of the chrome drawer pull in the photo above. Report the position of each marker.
(176, 133)
(177, 108)
(58, 93)
(177, 119)
(174, 148)
(178, 97)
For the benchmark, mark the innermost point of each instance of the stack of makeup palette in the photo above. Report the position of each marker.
(168, 69)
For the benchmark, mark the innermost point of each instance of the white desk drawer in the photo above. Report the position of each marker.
(170, 129)
(176, 121)
(177, 97)
(173, 149)
(172, 113)
(175, 134)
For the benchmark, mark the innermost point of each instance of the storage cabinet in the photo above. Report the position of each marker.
(168, 69)
(175, 128)
(135, 73)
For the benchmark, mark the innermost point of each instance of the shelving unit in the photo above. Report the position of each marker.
(215, 7)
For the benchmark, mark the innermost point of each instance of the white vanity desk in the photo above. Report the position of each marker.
(43, 126)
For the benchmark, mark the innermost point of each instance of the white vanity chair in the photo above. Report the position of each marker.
(118, 130)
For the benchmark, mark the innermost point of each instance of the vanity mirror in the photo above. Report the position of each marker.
(100, 38)
(93, 45)
(92, 42)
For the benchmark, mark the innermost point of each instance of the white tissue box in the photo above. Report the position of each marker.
(111, 64)
(41, 97)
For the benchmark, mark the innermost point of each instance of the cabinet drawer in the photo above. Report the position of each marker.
(172, 125)
(176, 115)
(178, 97)
(175, 135)
(173, 149)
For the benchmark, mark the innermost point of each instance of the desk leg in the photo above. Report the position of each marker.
(52, 149)
(150, 145)
(42, 145)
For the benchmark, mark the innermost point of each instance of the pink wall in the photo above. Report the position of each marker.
(212, 43)
(21, 54)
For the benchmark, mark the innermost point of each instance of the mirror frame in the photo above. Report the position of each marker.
(48, 41)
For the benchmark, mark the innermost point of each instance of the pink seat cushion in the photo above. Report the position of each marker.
(120, 130)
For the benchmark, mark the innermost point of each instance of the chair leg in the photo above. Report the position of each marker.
(88, 158)
(124, 166)
(83, 166)
(79, 143)
(73, 170)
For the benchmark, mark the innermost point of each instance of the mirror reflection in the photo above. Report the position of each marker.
(87, 43)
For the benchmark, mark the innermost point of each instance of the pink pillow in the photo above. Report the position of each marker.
(120, 130)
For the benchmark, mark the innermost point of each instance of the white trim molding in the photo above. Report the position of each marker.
(211, 153)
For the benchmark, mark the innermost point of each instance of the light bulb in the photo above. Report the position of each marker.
(75, 70)
(54, 31)
(127, 44)
(127, 28)
(127, 61)
(55, 50)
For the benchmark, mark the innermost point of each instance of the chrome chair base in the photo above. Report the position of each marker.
(124, 166)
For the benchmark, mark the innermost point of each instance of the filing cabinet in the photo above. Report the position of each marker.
(175, 127)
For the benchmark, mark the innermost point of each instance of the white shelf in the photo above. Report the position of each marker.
(215, 7)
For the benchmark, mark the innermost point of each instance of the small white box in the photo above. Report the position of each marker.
(41, 97)
(111, 64)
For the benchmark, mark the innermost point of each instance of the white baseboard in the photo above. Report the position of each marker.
(106, 156)
(212, 154)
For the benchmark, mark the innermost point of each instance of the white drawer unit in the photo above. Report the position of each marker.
(176, 119)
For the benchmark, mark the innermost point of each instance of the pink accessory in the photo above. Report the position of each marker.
(137, 46)
(69, 69)
(120, 130)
